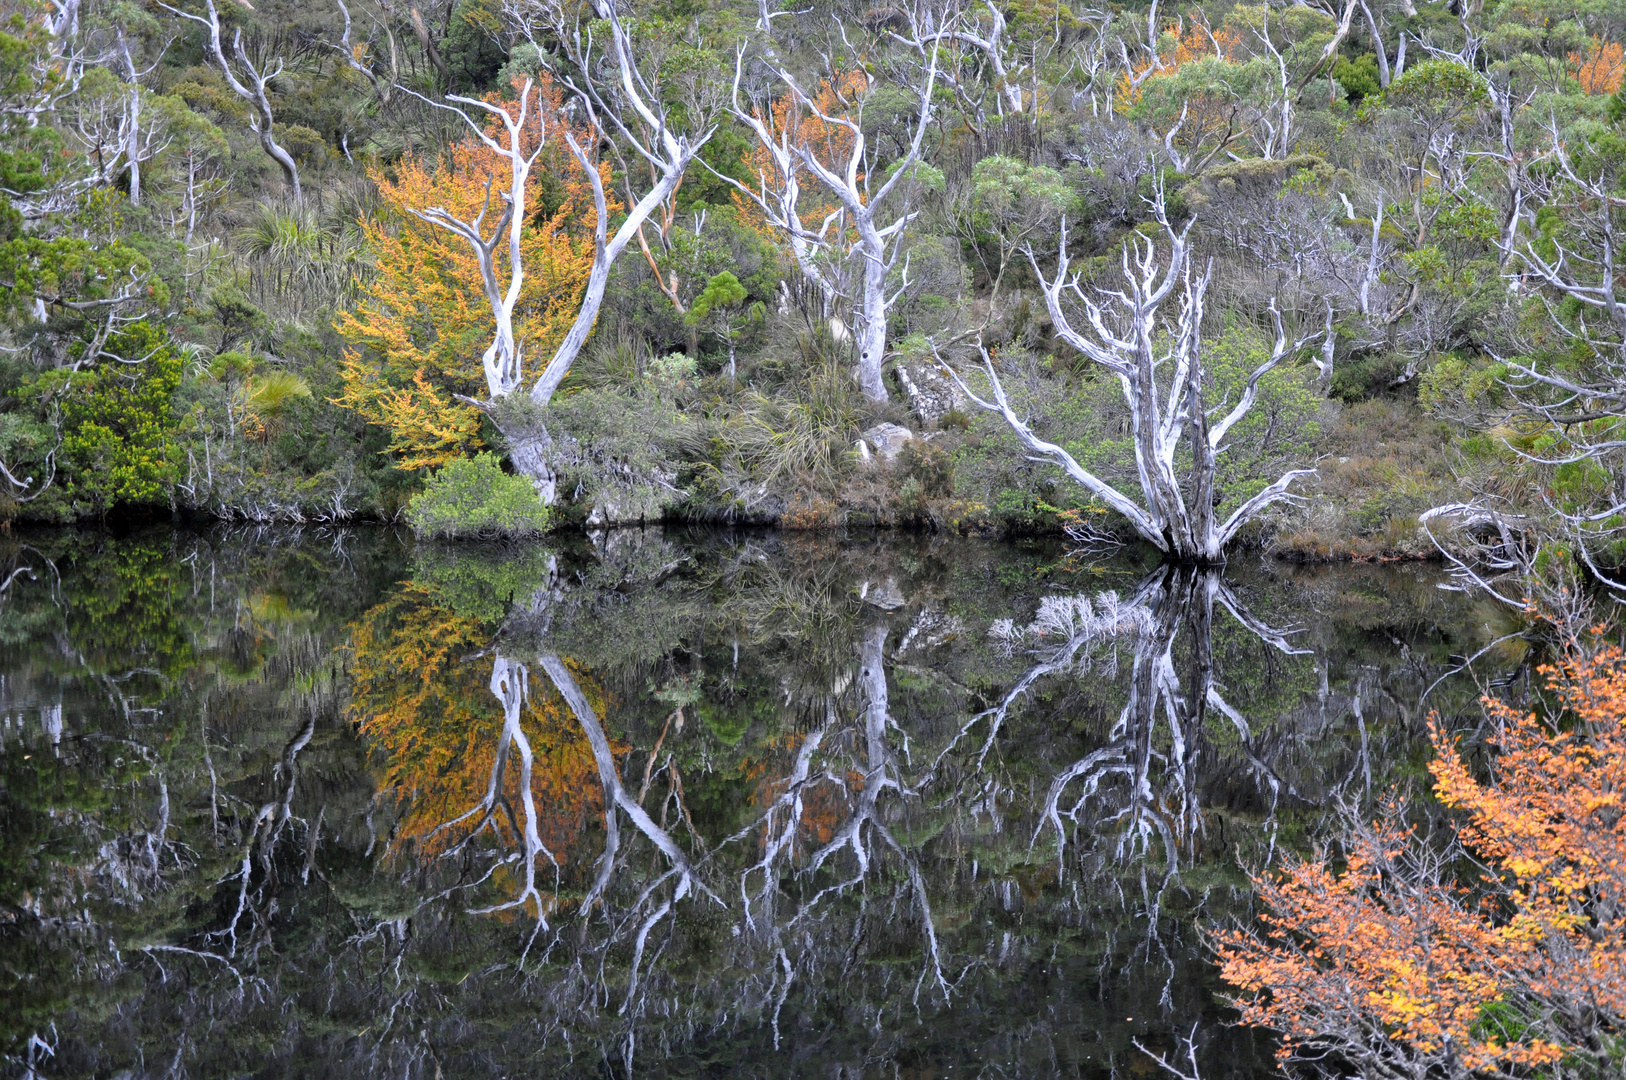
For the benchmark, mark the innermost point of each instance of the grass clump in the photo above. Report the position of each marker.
(473, 499)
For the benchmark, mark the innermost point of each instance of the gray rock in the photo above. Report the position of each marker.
(932, 394)
(887, 440)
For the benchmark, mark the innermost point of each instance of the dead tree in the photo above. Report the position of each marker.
(1158, 360)
(1582, 266)
(501, 360)
(874, 199)
(250, 86)
(629, 108)
(633, 111)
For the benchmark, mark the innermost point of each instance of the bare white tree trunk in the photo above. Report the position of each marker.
(251, 89)
(501, 360)
(633, 110)
(870, 229)
(994, 47)
(1176, 513)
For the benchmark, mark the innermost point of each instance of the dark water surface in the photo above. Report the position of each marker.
(325, 804)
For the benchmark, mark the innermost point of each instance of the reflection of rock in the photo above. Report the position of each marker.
(886, 596)
(886, 440)
(932, 395)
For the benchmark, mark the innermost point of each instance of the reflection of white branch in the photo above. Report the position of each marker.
(510, 684)
(615, 793)
(1170, 599)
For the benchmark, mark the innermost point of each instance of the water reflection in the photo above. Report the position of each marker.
(747, 805)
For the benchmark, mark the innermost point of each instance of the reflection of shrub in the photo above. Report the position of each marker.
(479, 582)
(474, 498)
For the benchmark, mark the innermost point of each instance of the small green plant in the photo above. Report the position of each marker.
(473, 499)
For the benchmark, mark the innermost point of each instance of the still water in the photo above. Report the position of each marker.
(658, 804)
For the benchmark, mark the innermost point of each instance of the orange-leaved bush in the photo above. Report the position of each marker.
(415, 338)
(830, 143)
(1601, 68)
(1404, 965)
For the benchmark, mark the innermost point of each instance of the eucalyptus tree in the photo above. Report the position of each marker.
(875, 198)
(250, 81)
(628, 107)
(1158, 360)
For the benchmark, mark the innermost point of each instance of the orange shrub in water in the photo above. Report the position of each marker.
(1393, 964)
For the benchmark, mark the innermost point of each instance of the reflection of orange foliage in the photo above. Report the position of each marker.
(417, 334)
(825, 806)
(435, 724)
(1193, 45)
(1601, 69)
(1365, 951)
(824, 810)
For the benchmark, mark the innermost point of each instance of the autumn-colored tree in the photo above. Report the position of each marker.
(415, 338)
(817, 210)
(1396, 967)
(1601, 68)
(1196, 43)
(431, 717)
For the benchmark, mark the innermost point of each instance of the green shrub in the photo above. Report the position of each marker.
(472, 498)
(118, 426)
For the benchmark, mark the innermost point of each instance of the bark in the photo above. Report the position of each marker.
(429, 48)
(528, 449)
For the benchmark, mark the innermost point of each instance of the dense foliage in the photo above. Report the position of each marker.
(245, 201)
(1397, 966)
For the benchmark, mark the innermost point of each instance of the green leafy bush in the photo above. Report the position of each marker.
(118, 426)
(472, 498)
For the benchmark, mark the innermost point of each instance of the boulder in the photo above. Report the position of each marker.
(886, 440)
(932, 394)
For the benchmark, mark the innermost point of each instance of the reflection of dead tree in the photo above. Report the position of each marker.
(1139, 783)
(510, 684)
(266, 828)
(618, 799)
(791, 938)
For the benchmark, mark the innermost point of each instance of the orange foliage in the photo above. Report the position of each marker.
(1191, 46)
(1392, 951)
(1600, 71)
(417, 334)
(434, 723)
(831, 144)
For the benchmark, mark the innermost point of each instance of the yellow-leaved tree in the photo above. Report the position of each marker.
(414, 340)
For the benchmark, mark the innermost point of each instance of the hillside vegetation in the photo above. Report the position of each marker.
(702, 260)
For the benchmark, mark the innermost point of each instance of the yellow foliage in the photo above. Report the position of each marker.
(435, 725)
(416, 336)
(1193, 45)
